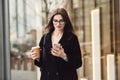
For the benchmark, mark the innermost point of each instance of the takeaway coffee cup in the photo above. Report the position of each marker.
(35, 52)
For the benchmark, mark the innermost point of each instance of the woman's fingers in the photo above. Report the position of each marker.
(56, 52)
(35, 52)
(34, 57)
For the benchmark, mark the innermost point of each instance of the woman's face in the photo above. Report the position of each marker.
(58, 22)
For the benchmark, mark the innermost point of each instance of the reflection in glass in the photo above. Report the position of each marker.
(22, 38)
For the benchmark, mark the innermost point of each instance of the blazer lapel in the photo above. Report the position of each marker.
(48, 42)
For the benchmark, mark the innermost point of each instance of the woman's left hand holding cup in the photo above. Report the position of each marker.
(35, 53)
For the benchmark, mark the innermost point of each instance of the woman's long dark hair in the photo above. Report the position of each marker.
(68, 25)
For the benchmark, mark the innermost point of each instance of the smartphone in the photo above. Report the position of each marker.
(57, 45)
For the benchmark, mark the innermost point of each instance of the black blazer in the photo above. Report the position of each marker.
(55, 68)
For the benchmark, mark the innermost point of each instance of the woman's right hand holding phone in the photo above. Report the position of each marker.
(58, 51)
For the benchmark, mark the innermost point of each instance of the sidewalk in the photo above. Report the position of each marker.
(23, 75)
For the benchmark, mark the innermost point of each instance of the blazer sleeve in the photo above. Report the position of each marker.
(74, 54)
(39, 63)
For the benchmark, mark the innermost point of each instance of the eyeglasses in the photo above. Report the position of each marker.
(61, 21)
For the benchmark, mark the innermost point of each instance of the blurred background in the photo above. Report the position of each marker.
(96, 23)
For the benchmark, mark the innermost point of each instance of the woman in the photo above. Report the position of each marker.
(59, 55)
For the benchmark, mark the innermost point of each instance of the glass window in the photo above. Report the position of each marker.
(23, 25)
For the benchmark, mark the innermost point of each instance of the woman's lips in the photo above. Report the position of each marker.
(58, 26)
